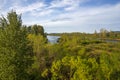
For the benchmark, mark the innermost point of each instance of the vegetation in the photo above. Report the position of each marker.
(15, 53)
(25, 53)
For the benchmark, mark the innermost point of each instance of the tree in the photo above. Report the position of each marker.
(38, 45)
(95, 33)
(36, 29)
(103, 33)
(15, 53)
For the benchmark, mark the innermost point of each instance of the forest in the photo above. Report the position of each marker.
(26, 54)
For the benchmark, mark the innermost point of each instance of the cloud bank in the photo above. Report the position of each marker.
(66, 15)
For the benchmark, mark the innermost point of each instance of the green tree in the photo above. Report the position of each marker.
(103, 33)
(38, 45)
(36, 29)
(95, 33)
(15, 53)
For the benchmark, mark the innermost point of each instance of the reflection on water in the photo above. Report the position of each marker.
(53, 39)
(113, 41)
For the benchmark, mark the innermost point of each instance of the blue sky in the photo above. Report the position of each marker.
(67, 15)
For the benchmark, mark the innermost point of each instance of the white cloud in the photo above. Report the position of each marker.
(54, 6)
(29, 8)
(104, 15)
(66, 13)
(101, 16)
(65, 3)
(39, 8)
(42, 13)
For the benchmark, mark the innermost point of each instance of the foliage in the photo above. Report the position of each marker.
(25, 53)
(15, 53)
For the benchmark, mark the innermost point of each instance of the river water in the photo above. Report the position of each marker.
(112, 41)
(52, 39)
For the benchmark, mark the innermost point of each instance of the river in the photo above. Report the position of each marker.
(52, 39)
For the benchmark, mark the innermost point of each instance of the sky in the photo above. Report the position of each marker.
(58, 16)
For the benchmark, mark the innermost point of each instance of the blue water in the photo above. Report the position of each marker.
(53, 39)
